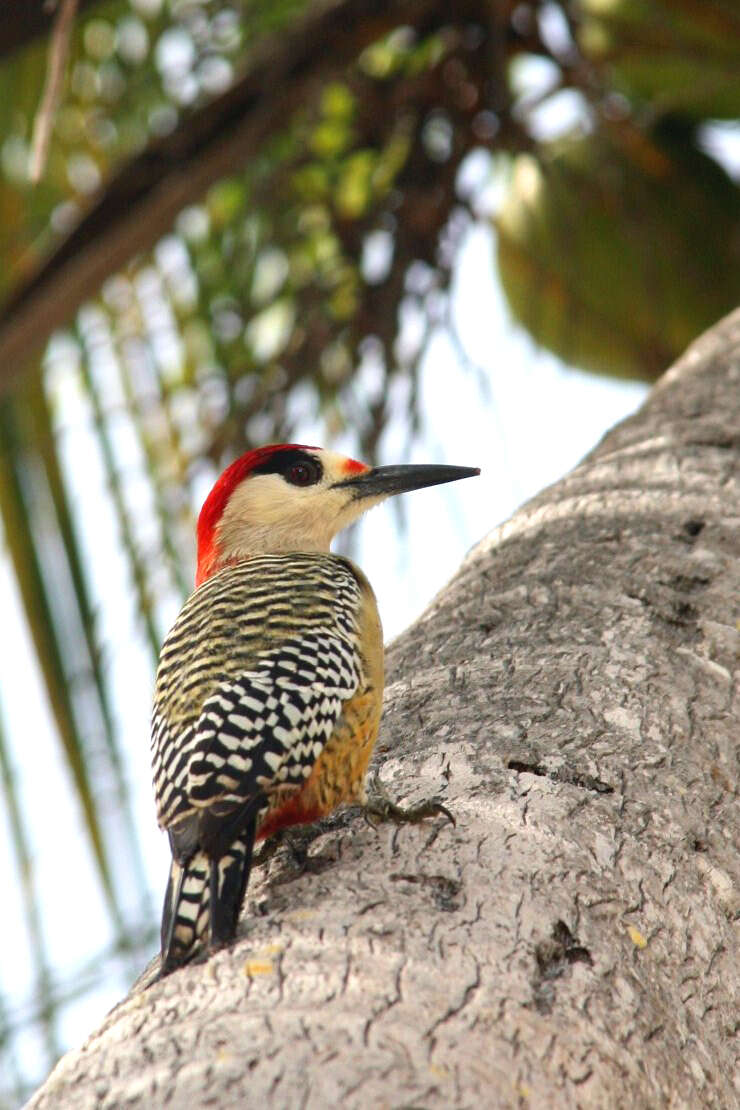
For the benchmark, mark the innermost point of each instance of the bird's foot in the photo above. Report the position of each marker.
(378, 807)
(268, 848)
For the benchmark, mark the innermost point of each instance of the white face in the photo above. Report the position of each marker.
(267, 514)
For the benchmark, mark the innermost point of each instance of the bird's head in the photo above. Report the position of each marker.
(289, 497)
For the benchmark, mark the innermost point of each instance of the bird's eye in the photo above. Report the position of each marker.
(306, 473)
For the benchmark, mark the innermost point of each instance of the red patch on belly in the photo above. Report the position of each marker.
(296, 811)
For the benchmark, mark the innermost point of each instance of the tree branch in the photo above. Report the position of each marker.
(55, 73)
(141, 202)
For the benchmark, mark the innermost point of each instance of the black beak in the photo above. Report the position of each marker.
(383, 481)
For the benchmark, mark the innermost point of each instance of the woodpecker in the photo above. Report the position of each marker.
(270, 684)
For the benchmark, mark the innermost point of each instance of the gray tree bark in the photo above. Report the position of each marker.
(572, 697)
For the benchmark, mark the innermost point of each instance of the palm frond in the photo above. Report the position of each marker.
(21, 487)
(17, 823)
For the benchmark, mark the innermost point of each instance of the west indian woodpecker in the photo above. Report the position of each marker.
(270, 684)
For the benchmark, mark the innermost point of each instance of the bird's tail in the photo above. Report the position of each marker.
(228, 882)
(203, 899)
(185, 913)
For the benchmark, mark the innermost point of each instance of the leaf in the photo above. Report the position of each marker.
(16, 514)
(40, 433)
(30, 897)
(616, 249)
(677, 55)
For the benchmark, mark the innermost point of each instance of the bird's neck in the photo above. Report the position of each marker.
(216, 556)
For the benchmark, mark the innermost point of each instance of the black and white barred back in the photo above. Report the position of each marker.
(252, 681)
(252, 678)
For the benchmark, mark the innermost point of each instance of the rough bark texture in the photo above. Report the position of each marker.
(572, 696)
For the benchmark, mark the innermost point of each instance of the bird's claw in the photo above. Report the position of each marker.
(378, 807)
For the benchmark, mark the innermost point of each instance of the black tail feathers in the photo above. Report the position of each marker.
(185, 912)
(229, 875)
(203, 898)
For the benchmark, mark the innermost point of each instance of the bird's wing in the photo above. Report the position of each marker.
(266, 728)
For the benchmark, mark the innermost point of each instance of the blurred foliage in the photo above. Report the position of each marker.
(304, 288)
(674, 56)
(602, 256)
